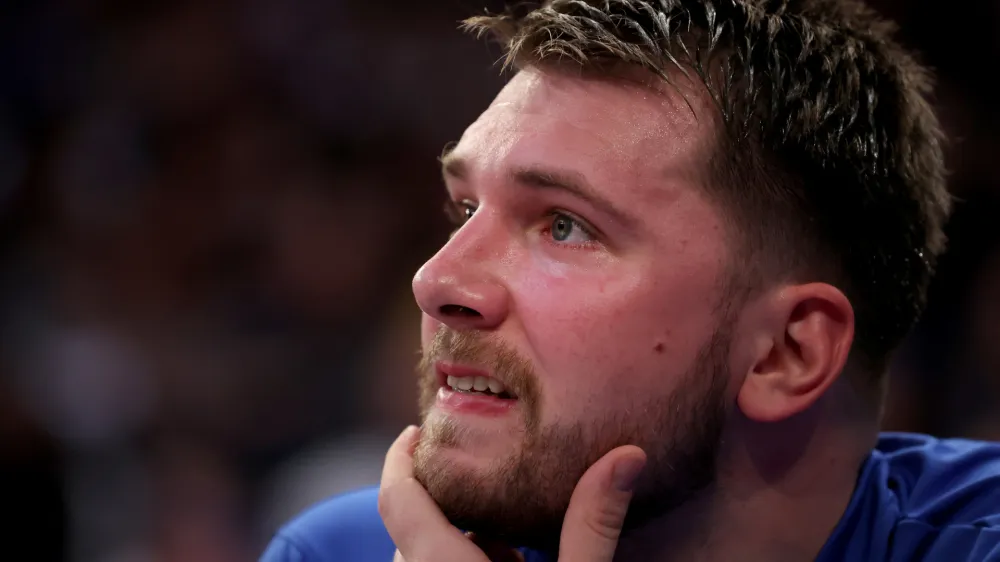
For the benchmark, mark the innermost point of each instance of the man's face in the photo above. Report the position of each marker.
(585, 285)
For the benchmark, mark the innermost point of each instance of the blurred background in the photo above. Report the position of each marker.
(211, 212)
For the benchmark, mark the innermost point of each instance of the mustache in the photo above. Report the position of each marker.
(485, 351)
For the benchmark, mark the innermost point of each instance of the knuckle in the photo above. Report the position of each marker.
(605, 522)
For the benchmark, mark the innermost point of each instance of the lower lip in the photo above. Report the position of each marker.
(468, 403)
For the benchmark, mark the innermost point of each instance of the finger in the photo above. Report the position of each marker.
(598, 506)
(399, 459)
(414, 521)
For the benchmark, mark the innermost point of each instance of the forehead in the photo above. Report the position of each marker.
(609, 130)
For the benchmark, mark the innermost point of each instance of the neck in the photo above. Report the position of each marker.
(780, 492)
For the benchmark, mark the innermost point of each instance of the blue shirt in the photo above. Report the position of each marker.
(917, 498)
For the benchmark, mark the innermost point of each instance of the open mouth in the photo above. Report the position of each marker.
(486, 386)
(466, 380)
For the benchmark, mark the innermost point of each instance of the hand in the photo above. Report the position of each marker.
(422, 533)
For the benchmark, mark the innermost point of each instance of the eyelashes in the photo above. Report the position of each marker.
(558, 228)
(458, 212)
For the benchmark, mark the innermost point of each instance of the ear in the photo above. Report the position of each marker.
(804, 338)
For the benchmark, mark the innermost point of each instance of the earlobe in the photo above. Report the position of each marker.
(808, 339)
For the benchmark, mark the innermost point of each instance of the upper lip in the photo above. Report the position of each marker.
(447, 369)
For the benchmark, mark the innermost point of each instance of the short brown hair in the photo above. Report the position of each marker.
(831, 165)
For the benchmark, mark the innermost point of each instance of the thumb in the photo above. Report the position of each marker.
(598, 506)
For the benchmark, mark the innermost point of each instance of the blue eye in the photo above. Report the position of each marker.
(565, 228)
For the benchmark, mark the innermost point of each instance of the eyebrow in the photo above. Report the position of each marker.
(544, 178)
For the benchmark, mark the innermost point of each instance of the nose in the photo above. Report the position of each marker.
(459, 287)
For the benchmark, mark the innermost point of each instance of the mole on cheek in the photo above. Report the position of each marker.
(658, 347)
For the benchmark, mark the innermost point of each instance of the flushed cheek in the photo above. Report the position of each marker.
(582, 328)
(561, 309)
(604, 339)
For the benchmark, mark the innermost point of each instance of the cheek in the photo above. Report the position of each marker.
(560, 305)
(605, 338)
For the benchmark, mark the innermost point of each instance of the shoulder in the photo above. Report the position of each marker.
(947, 492)
(943, 481)
(346, 527)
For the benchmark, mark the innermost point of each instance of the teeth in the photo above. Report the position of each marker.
(480, 384)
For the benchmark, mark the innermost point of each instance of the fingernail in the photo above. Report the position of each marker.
(626, 472)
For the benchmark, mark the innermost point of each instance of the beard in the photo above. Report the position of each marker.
(521, 499)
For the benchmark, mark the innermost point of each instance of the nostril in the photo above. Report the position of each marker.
(459, 310)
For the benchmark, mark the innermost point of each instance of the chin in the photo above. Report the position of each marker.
(485, 503)
(496, 495)
(473, 460)
(466, 461)
(467, 439)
